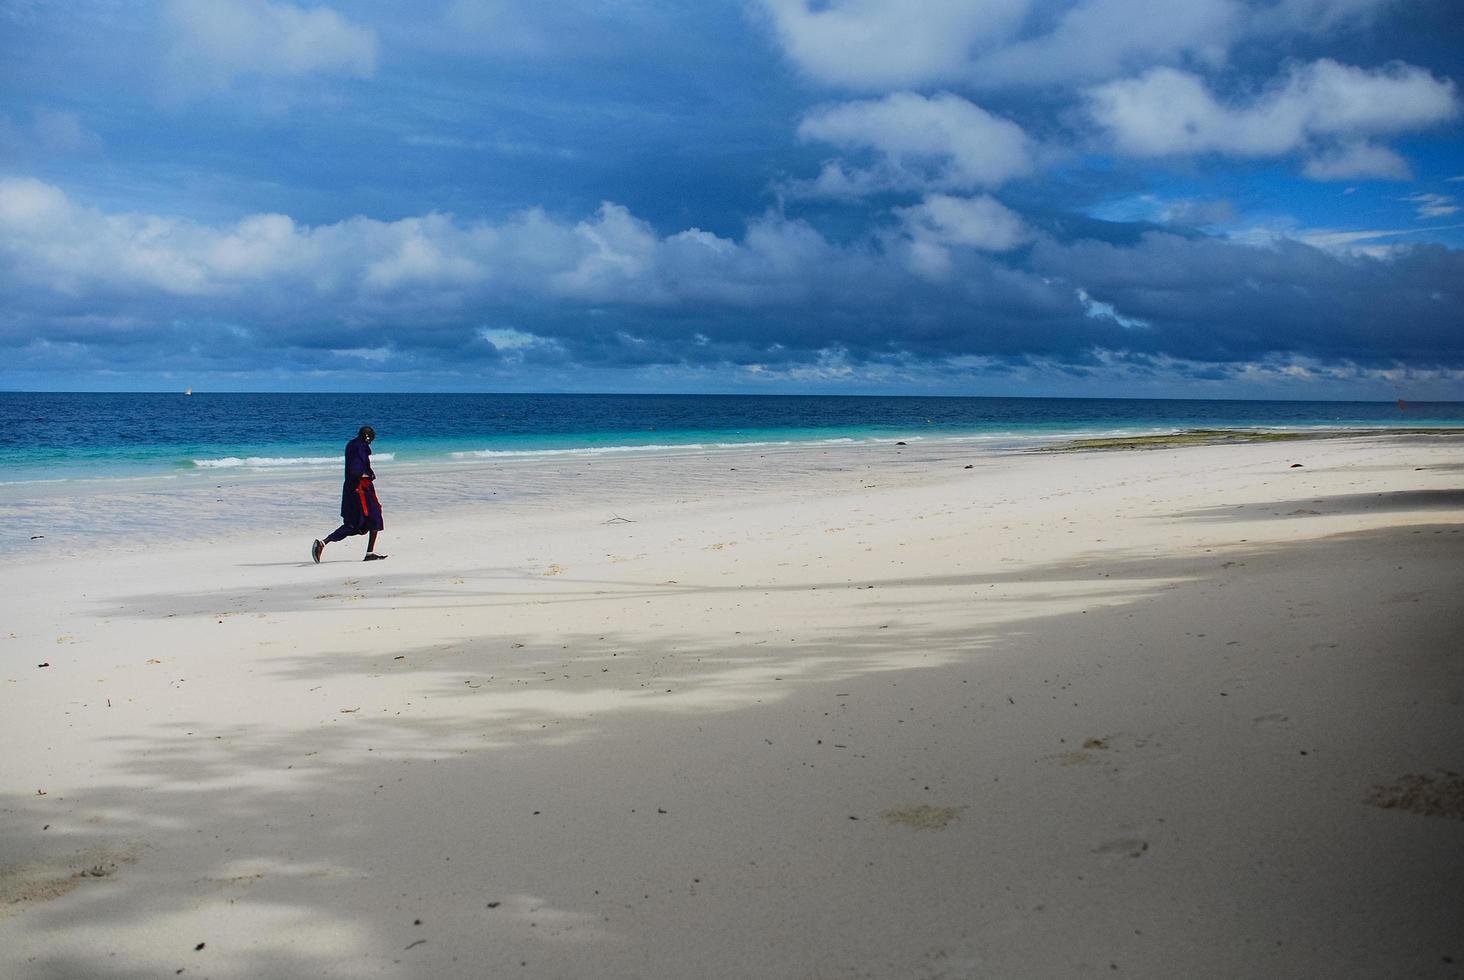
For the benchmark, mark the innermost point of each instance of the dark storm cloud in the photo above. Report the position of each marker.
(1208, 299)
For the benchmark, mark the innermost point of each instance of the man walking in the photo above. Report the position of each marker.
(360, 510)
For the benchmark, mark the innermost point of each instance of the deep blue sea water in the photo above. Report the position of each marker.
(67, 436)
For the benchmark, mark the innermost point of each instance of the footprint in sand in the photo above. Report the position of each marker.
(1084, 756)
(1129, 847)
(922, 816)
(51, 878)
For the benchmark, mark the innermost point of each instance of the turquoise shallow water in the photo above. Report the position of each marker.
(80, 436)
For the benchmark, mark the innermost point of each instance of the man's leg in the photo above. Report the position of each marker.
(339, 534)
(371, 554)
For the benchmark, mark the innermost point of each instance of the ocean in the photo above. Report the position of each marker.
(53, 437)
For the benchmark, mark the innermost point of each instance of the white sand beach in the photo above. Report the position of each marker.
(860, 712)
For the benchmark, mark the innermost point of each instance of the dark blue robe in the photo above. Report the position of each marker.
(360, 509)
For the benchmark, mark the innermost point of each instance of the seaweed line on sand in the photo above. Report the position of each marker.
(1431, 796)
(1217, 437)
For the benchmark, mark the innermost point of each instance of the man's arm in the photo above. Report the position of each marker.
(358, 461)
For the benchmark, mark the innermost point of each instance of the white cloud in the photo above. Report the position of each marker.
(27, 203)
(1324, 108)
(1375, 242)
(1357, 159)
(48, 241)
(832, 364)
(885, 44)
(980, 222)
(1096, 310)
(942, 141)
(941, 223)
(616, 249)
(836, 180)
(1187, 212)
(888, 44)
(881, 45)
(1197, 214)
(1434, 205)
(1343, 99)
(215, 41)
(375, 355)
(1352, 242)
(1103, 38)
(509, 338)
(421, 252)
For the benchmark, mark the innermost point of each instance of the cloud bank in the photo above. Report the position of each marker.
(954, 277)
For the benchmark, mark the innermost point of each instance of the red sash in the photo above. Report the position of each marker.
(361, 495)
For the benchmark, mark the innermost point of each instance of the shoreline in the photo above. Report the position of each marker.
(84, 516)
(192, 462)
(795, 714)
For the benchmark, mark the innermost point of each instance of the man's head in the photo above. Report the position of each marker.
(367, 433)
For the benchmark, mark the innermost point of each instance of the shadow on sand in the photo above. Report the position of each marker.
(552, 817)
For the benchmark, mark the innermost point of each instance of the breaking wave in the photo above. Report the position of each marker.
(265, 462)
(652, 448)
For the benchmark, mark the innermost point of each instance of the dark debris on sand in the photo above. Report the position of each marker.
(1440, 795)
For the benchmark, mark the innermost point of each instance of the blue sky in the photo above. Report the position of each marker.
(1219, 198)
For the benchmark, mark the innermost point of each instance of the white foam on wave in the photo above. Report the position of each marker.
(774, 443)
(580, 451)
(89, 479)
(651, 448)
(230, 462)
(21, 483)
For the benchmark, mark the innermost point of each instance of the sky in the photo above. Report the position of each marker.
(1214, 198)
